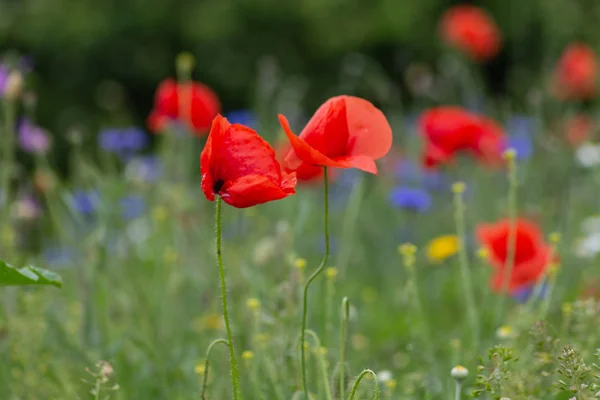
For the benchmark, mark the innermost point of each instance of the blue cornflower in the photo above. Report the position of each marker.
(85, 202)
(522, 144)
(132, 207)
(410, 198)
(133, 139)
(522, 295)
(244, 117)
(122, 141)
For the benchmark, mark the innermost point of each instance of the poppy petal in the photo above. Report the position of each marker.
(370, 133)
(364, 163)
(251, 190)
(302, 151)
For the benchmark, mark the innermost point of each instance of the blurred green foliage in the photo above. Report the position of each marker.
(104, 58)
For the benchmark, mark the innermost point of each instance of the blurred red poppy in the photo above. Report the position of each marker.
(240, 166)
(576, 73)
(305, 173)
(471, 30)
(197, 107)
(448, 130)
(579, 129)
(531, 254)
(345, 132)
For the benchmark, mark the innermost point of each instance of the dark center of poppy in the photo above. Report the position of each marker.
(218, 185)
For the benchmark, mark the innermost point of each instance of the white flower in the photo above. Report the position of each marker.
(588, 155)
(589, 246)
(384, 376)
(459, 372)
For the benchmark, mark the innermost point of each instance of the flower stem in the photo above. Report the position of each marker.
(359, 378)
(8, 147)
(465, 271)
(206, 364)
(309, 281)
(343, 344)
(458, 391)
(235, 375)
(512, 233)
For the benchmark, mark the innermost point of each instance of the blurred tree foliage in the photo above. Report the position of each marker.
(94, 59)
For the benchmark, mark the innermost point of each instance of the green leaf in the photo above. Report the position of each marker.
(28, 275)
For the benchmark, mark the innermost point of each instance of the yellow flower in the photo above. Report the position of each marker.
(391, 384)
(506, 332)
(442, 247)
(459, 187)
(300, 263)
(483, 253)
(200, 369)
(253, 304)
(248, 355)
(331, 273)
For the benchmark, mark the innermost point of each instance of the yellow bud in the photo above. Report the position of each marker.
(483, 253)
(185, 62)
(554, 237)
(248, 355)
(391, 384)
(160, 214)
(505, 332)
(331, 273)
(509, 154)
(459, 187)
(200, 369)
(253, 304)
(407, 249)
(567, 309)
(300, 263)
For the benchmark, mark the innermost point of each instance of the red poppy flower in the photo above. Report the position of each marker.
(471, 30)
(305, 173)
(240, 166)
(531, 256)
(449, 130)
(345, 132)
(579, 129)
(576, 73)
(199, 106)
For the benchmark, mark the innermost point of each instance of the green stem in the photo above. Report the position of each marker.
(465, 271)
(512, 236)
(312, 278)
(343, 344)
(8, 147)
(206, 363)
(322, 363)
(458, 391)
(359, 378)
(235, 375)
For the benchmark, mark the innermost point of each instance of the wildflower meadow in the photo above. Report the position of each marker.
(435, 239)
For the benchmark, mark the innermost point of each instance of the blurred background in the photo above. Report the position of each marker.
(83, 51)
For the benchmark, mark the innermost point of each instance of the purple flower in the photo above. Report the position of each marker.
(123, 142)
(4, 72)
(244, 117)
(32, 138)
(27, 208)
(410, 199)
(85, 201)
(132, 207)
